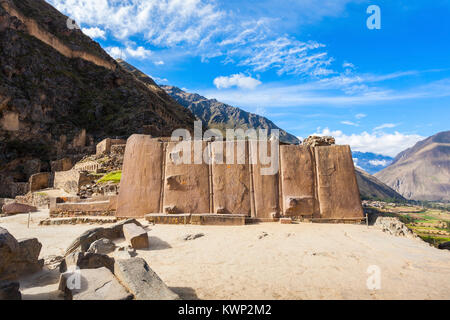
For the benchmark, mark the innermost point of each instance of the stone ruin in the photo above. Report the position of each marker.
(314, 182)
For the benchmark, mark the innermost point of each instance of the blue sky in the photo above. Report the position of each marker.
(309, 66)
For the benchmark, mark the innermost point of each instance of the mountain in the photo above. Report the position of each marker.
(218, 115)
(372, 188)
(60, 93)
(423, 171)
(371, 162)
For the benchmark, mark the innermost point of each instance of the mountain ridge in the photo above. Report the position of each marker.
(55, 105)
(219, 115)
(423, 171)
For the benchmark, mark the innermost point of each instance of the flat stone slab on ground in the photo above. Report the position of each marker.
(17, 208)
(141, 281)
(136, 236)
(92, 284)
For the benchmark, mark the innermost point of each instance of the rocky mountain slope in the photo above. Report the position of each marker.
(372, 188)
(218, 115)
(60, 93)
(423, 171)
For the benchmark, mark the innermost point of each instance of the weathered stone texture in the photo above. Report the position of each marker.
(92, 284)
(18, 257)
(231, 181)
(142, 281)
(315, 182)
(298, 181)
(141, 177)
(136, 236)
(17, 208)
(39, 181)
(71, 181)
(338, 191)
(187, 186)
(105, 145)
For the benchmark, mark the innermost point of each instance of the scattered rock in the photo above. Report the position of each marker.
(86, 260)
(445, 246)
(125, 253)
(189, 237)
(141, 281)
(17, 208)
(83, 242)
(92, 284)
(263, 235)
(18, 257)
(53, 262)
(102, 246)
(10, 291)
(315, 141)
(394, 227)
(136, 236)
(286, 221)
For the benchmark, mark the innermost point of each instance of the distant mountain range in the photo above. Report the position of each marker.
(423, 171)
(372, 188)
(218, 115)
(371, 162)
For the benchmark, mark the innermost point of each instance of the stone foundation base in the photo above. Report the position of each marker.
(197, 219)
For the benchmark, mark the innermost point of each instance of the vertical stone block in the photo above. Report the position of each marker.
(298, 181)
(231, 179)
(337, 186)
(140, 186)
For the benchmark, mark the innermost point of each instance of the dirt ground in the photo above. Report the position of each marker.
(265, 261)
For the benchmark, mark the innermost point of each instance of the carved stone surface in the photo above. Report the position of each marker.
(140, 187)
(338, 191)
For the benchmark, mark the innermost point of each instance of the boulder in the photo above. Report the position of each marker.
(18, 257)
(16, 208)
(102, 246)
(9, 248)
(28, 261)
(92, 284)
(141, 281)
(445, 246)
(136, 236)
(86, 260)
(83, 242)
(10, 291)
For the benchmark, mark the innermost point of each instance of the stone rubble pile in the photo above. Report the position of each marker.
(394, 227)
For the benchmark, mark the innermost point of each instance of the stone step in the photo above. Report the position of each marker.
(78, 220)
(76, 209)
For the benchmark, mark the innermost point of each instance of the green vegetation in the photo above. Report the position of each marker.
(111, 177)
(432, 225)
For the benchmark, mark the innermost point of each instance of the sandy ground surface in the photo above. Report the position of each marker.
(265, 261)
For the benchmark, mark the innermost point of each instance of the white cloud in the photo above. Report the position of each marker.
(236, 80)
(138, 53)
(95, 33)
(116, 52)
(202, 28)
(360, 116)
(380, 163)
(159, 63)
(348, 65)
(385, 126)
(350, 123)
(377, 142)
